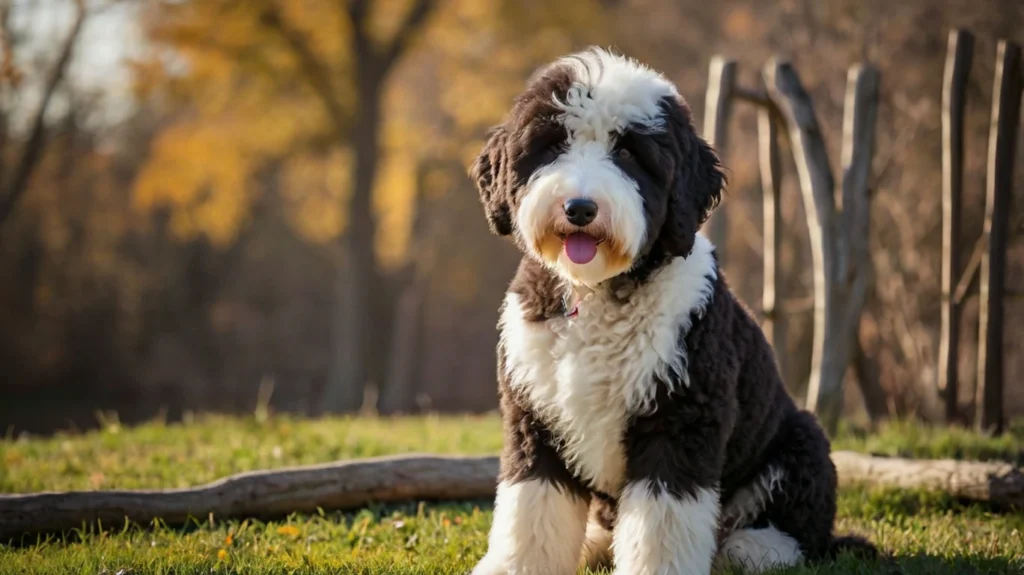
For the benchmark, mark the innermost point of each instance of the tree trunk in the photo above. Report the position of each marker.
(365, 309)
(360, 284)
(399, 396)
(876, 402)
(408, 331)
(33, 149)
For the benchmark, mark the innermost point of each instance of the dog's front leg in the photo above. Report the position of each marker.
(668, 511)
(537, 530)
(664, 533)
(540, 512)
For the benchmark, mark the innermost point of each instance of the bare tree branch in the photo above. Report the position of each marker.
(970, 276)
(33, 150)
(357, 11)
(410, 26)
(316, 70)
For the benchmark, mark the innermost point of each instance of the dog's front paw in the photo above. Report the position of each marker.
(491, 565)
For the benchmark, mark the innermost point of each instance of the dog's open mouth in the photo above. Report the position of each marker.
(580, 247)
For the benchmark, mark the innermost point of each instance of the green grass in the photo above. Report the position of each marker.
(926, 532)
(908, 439)
(158, 455)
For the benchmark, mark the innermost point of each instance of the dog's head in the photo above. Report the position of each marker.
(597, 168)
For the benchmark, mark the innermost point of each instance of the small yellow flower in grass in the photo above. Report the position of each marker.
(12, 457)
(289, 530)
(222, 555)
(229, 540)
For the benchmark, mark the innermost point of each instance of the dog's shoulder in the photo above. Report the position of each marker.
(539, 291)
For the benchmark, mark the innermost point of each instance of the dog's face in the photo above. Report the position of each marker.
(597, 168)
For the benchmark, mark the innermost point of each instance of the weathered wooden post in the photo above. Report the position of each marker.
(839, 239)
(1003, 133)
(771, 184)
(954, 96)
(717, 111)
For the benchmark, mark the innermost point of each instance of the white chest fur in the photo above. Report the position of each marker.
(585, 375)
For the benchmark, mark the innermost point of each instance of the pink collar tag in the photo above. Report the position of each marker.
(571, 305)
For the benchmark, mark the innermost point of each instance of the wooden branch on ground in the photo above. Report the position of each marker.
(998, 483)
(266, 494)
(354, 484)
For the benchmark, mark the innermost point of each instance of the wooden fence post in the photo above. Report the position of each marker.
(839, 240)
(717, 111)
(771, 184)
(954, 96)
(1003, 133)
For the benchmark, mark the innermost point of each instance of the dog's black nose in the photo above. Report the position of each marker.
(580, 211)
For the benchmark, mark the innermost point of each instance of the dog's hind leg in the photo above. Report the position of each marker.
(787, 513)
(757, 550)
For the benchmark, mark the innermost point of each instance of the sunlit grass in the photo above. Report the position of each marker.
(910, 439)
(182, 455)
(926, 532)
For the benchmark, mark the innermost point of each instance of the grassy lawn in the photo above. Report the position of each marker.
(927, 533)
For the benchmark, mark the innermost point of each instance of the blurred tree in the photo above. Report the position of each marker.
(304, 82)
(13, 186)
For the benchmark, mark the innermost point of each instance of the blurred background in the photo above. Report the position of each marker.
(209, 205)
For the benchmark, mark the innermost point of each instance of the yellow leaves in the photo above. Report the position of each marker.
(205, 169)
(394, 199)
(249, 103)
(316, 189)
(198, 173)
(436, 183)
(12, 457)
(488, 48)
(386, 17)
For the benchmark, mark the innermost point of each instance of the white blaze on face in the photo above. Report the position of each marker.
(610, 94)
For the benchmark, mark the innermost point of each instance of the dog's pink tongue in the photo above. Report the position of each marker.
(580, 247)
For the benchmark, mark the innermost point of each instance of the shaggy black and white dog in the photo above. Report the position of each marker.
(645, 420)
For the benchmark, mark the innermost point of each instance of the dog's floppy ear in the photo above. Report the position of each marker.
(700, 179)
(489, 171)
(705, 178)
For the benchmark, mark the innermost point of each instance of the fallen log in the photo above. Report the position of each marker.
(354, 484)
(258, 494)
(997, 483)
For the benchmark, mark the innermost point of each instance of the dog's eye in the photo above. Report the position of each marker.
(625, 154)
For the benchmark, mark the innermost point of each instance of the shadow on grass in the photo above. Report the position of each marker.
(916, 564)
